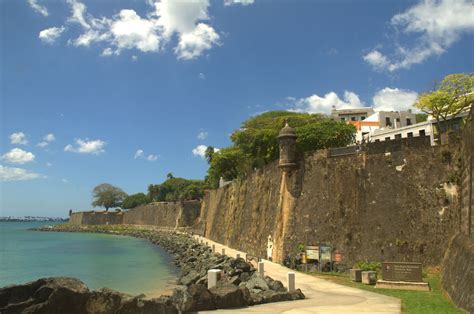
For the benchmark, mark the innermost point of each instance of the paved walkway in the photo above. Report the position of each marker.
(321, 296)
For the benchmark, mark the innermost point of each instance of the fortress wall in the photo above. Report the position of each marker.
(164, 214)
(76, 218)
(388, 203)
(457, 275)
(102, 218)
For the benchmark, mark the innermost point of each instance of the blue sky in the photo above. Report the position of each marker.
(126, 91)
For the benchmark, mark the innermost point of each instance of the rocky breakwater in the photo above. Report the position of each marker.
(239, 284)
(70, 295)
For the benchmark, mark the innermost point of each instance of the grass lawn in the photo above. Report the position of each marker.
(434, 301)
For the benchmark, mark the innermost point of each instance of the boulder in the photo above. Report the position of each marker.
(229, 296)
(193, 298)
(162, 305)
(105, 301)
(256, 282)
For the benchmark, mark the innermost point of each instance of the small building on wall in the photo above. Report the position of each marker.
(351, 115)
(382, 121)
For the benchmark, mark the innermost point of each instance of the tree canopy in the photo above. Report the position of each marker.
(176, 189)
(449, 98)
(107, 195)
(256, 143)
(135, 200)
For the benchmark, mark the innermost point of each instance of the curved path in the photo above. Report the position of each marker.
(321, 296)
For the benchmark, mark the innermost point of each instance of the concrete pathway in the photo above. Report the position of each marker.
(321, 296)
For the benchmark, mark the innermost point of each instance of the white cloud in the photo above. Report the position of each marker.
(318, 104)
(138, 154)
(48, 164)
(193, 44)
(47, 139)
(376, 59)
(134, 58)
(152, 157)
(150, 33)
(129, 31)
(41, 9)
(18, 138)
(65, 180)
(95, 147)
(16, 174)
(439, 25)
(202, 135)
(78, 10)
(201, 76)
(386, 99)
(50, 35)
(394, 99)
(242, 2)
(18, 156)
(200, 151)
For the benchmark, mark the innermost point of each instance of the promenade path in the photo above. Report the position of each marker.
(321, 296)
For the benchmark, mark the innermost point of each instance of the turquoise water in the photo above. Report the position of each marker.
(122, 263)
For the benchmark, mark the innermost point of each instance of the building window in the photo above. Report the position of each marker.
(353, 118)
(398, 136)
(398, 119)
(422, 133)
(377, 140)
(408, 121)
(410, 134)
(387, 121)
(362, 118)
(343, 119)
(387, 138)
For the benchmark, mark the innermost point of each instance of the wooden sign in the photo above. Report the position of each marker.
(401, 271)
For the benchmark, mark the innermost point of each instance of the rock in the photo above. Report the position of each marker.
(277, 285)
(105, 301)
(229, 296)
(193, 298)
(241, 264)
(190, 278)
(19, 293)
(235, 280)
(244, 277)
(256, 282)
(297, 295)
(142, 306)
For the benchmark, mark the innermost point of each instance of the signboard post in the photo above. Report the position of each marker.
(398, 271)
(402, 275)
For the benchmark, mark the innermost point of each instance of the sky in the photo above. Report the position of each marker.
(124, 92)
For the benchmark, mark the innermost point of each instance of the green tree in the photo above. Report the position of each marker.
(176, 189)
(135, 200)
(228, 163)
(421, 117)
(450, 97)
(107, 195)
(209, 153)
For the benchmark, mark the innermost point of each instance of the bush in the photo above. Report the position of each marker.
(366, 266)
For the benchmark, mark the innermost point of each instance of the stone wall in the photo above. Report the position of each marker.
(458, 272)
(164, 214)
(161, 214)
(96, 218)
(390, 202)
(458, 267)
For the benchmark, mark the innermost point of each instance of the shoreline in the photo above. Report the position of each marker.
(239, 284)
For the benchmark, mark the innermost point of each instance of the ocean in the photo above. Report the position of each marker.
(122, 263)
